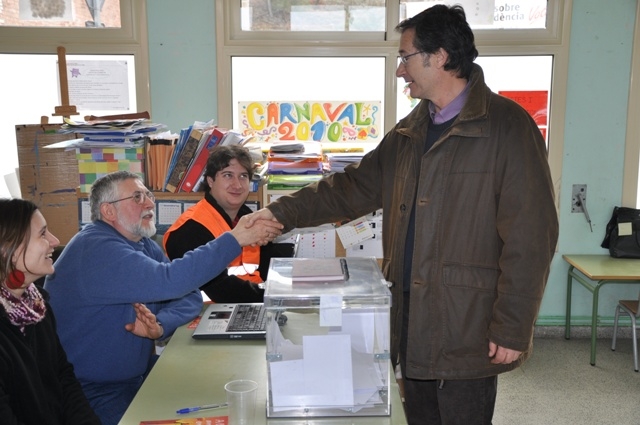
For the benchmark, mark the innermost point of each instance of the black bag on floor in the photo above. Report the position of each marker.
(626, 245)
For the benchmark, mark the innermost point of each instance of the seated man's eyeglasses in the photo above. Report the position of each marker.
(138, 197)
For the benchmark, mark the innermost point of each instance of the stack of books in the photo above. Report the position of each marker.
(188, 162)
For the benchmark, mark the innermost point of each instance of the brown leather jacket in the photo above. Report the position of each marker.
(486, 230)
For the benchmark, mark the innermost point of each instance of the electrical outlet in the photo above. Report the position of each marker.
(576, 205)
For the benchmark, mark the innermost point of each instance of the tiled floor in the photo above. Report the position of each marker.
(558, 386)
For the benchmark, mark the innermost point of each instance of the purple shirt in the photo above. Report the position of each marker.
(451, 110)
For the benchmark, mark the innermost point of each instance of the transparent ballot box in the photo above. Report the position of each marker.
(327, 338)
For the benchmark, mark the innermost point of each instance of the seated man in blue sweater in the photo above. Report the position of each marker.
(114, 291)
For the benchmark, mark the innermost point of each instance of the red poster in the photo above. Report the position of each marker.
(534, 101)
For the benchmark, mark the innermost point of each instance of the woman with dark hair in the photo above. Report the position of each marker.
(37, 383)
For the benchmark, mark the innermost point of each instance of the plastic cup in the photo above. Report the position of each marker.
(241, 396)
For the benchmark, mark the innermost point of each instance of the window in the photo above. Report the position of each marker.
(370, 15)
(264, 15)
(535, 31)
(297, 81)
(60, 13)
(530, 86)
(518, 14)
(28, 59)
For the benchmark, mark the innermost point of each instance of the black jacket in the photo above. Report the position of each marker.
(224, 288)
(37, 383)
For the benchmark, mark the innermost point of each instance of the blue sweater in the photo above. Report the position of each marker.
(100, 274)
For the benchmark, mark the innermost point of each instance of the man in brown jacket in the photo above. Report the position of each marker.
(469, 228)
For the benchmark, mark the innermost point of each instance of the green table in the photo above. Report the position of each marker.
(193, 372)
(593, 272)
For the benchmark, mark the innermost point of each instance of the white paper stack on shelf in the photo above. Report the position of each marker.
(110, 133)
(339, 160)
(295, 158)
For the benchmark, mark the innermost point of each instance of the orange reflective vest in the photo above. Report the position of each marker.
(245, 266)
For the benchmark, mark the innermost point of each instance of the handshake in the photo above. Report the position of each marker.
(258, 228)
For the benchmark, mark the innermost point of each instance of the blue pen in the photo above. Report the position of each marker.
(195, 409)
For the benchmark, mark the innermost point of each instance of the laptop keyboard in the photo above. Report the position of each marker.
(248, 318)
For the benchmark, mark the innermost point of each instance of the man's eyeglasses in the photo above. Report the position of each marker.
(138, 197)
(405, 59)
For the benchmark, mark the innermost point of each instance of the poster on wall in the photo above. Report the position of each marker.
(319, 121)
(101, 85)
(534, 102)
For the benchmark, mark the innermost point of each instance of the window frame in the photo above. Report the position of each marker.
(130, 39)
(631, 174)
(553, 40)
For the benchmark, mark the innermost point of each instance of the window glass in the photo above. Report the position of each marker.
(303, 15)
(370, 15)
(34, 93)
(525, 79)
(60, 13)
(488, 14)
(317, 80)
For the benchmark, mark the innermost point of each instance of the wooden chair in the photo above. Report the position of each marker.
(629, 307)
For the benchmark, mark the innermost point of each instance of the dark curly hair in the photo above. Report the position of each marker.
(219, 159)
(444, 27)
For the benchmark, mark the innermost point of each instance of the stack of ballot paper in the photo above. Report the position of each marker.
(295, 158)
(338, 160)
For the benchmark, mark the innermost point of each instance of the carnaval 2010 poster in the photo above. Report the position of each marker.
(319, 121)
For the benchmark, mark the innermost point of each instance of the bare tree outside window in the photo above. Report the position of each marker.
(313, 15)
(60, 13)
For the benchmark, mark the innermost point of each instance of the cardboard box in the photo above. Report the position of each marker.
(49, 177)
